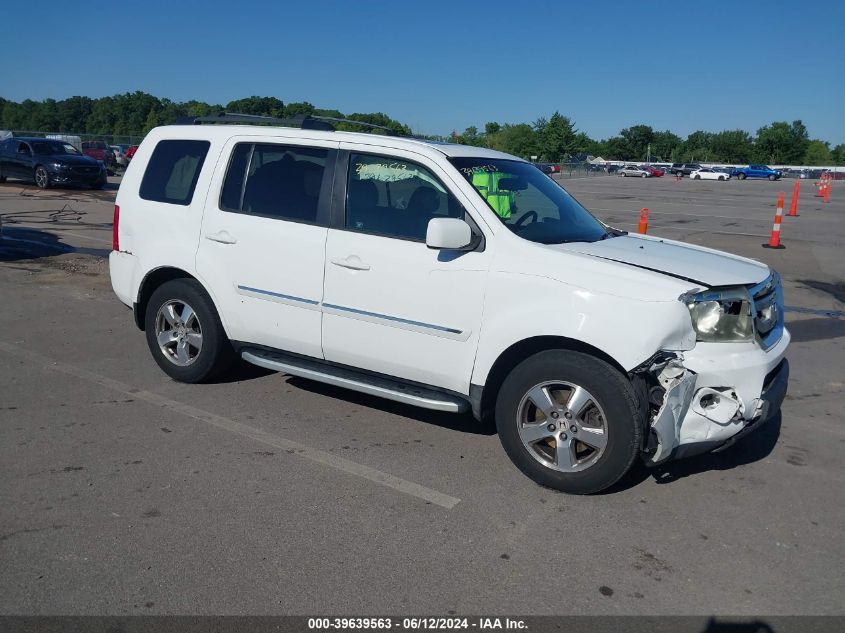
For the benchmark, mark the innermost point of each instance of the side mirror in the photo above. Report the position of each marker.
(448, 234)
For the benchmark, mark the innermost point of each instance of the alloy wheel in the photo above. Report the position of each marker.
(42, 178)
(562, 426)
(178, 332)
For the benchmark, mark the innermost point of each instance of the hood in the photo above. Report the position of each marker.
(697, 264)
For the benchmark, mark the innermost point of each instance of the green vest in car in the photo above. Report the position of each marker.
(487, 184)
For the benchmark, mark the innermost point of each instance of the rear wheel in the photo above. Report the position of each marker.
(569, 421)
(42, 178)
(184, 332)
(742, 176)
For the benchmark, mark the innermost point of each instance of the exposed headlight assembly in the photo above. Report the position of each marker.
(721, 315)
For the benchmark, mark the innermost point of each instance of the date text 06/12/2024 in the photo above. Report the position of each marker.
(412, 624)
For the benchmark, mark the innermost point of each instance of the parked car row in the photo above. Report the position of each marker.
(640, 171)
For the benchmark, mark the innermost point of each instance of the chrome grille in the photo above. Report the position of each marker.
(767, 306)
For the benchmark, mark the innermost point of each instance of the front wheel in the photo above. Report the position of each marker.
(697, 177)
(644, 176)
(742, 176)
(772, 178)
(569, 421)
(42, 178)
(624, 175)
(184, 332)
(721, 177)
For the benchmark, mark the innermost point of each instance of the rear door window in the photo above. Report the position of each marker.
(173, 171)
(276, 181)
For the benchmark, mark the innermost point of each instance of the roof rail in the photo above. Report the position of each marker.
(304, 122)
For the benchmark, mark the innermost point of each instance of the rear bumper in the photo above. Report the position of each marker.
(122, 268)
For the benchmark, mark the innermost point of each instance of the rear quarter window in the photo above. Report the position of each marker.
(173, 170)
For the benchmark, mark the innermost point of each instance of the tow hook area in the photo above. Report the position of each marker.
(718, 405)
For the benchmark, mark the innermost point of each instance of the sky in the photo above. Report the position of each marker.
(439, 66)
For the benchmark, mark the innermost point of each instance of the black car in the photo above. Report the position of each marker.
(48, 162)
(684, 169)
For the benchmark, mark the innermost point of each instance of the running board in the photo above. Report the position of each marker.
(380, 386)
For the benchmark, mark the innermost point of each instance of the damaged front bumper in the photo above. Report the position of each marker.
(713, 395)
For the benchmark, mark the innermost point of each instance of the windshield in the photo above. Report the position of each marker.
(53, 148)
(529, 203)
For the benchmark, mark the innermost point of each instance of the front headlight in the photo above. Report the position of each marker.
(58, 166)
(721, 315)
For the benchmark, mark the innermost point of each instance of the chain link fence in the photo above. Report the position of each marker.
(84, 137)
(582, 170)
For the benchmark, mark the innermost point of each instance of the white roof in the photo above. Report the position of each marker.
(224, 131)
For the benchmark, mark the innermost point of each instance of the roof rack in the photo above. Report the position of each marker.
(303, 122)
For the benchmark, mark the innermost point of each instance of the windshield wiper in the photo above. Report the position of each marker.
(613, 233)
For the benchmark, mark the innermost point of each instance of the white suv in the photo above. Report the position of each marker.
(447, 277)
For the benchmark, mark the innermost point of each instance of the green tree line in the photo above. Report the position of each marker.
(556, 139)
(136, 113)
(553, 139)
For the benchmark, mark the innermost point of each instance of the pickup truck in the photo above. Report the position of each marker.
(756, 171)
(685, 169)
(99, 150)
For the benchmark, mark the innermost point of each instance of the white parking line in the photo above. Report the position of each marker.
(259, 435)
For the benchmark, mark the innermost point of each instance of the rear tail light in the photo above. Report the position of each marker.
(115, 240)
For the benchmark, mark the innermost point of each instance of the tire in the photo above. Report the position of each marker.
(608, 403)
(721, 177)
(184, 357)
(624, 175)
(772, 178)
(741, 176)
(2, 177)
(41, 177)
(644, 176)
(100, 184)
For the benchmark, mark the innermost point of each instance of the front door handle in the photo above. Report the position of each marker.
(352, 262)
(223, 237)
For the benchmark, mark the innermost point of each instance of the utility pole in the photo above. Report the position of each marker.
(648, 154)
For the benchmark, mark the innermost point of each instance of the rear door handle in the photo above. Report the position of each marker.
(222, 237)
(352, 262)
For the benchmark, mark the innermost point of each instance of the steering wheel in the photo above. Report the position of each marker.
(524, 218)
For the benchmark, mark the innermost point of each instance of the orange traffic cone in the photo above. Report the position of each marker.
(774, 240)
